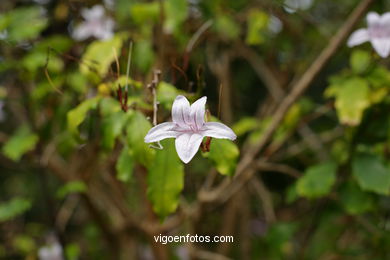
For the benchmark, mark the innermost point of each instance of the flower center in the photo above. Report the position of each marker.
(193, 128)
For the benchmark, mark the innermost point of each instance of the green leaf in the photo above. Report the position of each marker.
(77, 82)
(109, 106)
(279, 236)
(351, 100)
(112, 126)
(72, 251)
(292, 194)
(224, 154)
(360, 61)
(317, 180)
(125, 164)
(61, 43)
(371, 173)
(13, 208)
(227, 27)
(143, 55)
(165, 180)
(25, 244)
(25, 23)
(354, 200)
(379, 77)
(257, 25)
(176, 14)
(245, 125)
(145, 12)
(38, 60)
(100, 54)
(122, 80)
(166, 94)
(21, 142)
(71, 187)
(137, 128)
(77, 115)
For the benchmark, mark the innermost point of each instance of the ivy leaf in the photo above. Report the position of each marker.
(351, 100)
(371, 173)
(165, 180)
(13, 208)
(125, 164)
(77, 115)
(21, 142)
(354, 200)
(71, 187)
(224, 154)
(317, 180)
(100, 54)
(137, 128)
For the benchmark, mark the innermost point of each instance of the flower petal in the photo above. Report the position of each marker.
(381, 46)
(358, 37)
(160, 132)
(218, 130)
(181, 111)
(105, 30)
(198, 111)
(187, 145)
(81, 32)
(94, 13)
(385, 19)
(373, 18)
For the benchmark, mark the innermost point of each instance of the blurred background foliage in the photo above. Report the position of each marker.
(78, 182)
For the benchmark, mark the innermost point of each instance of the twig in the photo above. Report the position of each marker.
(128, 67)
(116, 63)
(196, 36)
(264, 73)
(265, 198)
(301, 146)
(48, 75)
(153, 87)
(66, 211)
(313, 141)
(285, 169)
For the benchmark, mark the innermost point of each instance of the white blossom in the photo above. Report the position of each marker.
(377, 32)
(96, 25)
(188, 127)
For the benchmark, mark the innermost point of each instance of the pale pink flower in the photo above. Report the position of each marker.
(51, 252)
(96, 24)
(378, 33)
(189, 128)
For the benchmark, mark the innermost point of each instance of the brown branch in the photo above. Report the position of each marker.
(262, 71)
(267, 166)
(242, 173)
(304, 82)
(265, 198)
